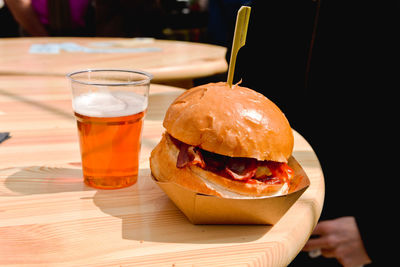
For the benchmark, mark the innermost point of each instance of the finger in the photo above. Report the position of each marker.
(323, 242)
(314, 243)
(322, 228)
(328, 253)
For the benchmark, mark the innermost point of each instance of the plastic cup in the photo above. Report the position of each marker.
(109, 106)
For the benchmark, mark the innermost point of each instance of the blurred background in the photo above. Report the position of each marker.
(208, 21)
(165, 19)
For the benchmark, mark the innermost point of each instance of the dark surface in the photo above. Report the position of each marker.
(346, 108)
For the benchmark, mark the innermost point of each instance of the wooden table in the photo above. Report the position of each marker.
(166, 60)
(49, 217)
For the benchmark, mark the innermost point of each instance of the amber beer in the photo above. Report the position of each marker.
(109, 127)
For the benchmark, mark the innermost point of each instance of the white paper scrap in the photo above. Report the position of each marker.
(44, 49)
(55, 48)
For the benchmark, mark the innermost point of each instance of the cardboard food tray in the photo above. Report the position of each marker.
(207, 209)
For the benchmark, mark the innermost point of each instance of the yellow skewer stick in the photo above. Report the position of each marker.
(239, 39)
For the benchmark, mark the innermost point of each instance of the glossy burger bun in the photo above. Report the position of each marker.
(235, 122)
(163, 167)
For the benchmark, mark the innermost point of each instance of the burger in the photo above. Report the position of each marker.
(230, 142)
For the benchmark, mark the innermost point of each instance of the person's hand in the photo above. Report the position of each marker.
(340, 239)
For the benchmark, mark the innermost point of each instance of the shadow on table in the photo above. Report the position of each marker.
(41, 180)
(37, 104)
(147, 215)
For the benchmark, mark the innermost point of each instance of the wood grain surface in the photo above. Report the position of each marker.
(48, 217)
(166, 60)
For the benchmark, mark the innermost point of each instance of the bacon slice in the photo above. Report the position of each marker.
(239, 169)
(196, 156)
(183, 156)
(189, 155)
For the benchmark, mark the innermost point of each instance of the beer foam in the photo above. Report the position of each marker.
(109, 104)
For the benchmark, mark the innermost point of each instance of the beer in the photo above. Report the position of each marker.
(109, 128)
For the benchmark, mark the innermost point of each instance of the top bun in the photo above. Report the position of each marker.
(235, 122)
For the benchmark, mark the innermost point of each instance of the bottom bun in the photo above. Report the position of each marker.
(163, 167)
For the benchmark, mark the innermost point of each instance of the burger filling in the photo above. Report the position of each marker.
(247, 170)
